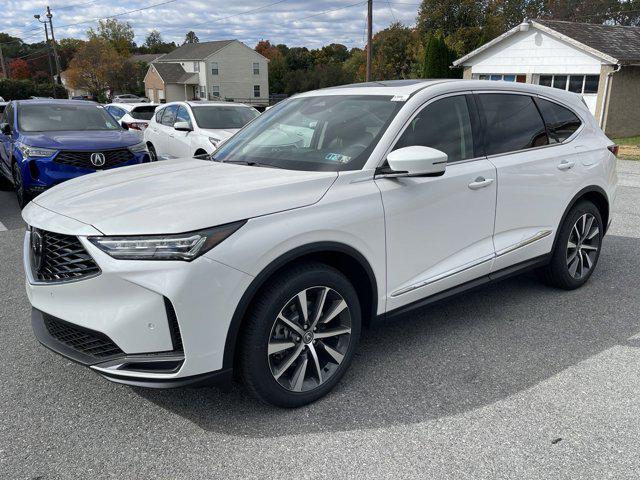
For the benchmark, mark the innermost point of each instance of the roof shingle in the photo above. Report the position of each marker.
(619, 42)
(174, 73)
(195, 51)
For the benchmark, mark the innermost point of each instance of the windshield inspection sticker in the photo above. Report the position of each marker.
(337, 157)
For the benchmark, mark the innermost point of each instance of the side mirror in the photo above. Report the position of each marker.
(418, 160)
(124, 125)
(5, 128)
(182, 126)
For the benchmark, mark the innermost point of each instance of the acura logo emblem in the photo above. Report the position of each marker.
(37, 249)
(97, 159)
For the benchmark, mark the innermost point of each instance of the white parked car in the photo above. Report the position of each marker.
(133, 116)
(187, 129)
(129, 98)
(269, 260)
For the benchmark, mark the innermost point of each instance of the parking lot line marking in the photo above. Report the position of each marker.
(2, 227)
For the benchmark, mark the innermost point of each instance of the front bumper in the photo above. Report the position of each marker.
(132, 304)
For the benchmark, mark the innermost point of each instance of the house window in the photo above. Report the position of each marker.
(196, 66)
(256, 91)
(256, 68)
(584, 84)
(507, 77)
(214, 68)
(203, 91)
(215, 90)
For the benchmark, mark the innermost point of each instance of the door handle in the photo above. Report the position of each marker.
(566, 165)
(480, 182)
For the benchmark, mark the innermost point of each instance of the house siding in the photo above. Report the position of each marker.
(236, 78)
(623, 106)
(153, 85)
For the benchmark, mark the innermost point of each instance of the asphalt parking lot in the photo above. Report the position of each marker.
(515, 380)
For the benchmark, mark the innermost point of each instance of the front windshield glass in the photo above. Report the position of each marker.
(52, 117)
(223, 117)
(336, 132)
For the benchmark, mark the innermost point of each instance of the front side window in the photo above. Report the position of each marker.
(323, 133)
(52, 117)
(214, 68)
(219, 117)
(444, 125)
(512, 123)
(169, 116)
(561, 122)
(182, 115)
(256, 68)
(256, 91)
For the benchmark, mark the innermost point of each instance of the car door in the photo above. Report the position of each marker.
(6, 141)
(439, 229)
(536, 177)
(180, 144)
(165, 131)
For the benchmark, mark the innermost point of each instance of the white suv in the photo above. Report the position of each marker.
(335, 208)
(188, 129)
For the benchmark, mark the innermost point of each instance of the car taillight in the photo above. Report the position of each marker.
(614, 149)
(137, 125)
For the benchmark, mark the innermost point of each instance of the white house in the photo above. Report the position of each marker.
(224, 69)
(599, 62)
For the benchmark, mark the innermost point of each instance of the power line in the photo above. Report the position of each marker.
(329, 11)
(237, 14)
(117, 14)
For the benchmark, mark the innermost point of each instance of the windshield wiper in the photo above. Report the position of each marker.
(253, 164)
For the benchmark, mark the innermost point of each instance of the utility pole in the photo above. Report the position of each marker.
(48, 45)
(55, 50)
(369, 37)
(4, 68)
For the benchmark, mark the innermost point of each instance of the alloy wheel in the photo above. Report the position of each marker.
(309, 339)
(583, 246)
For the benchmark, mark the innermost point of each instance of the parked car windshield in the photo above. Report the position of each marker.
(327, 133)
(51, 117)
(223, 117)
(143, 113)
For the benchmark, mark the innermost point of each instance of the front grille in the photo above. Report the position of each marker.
(62, 258)
(112, 158)
(83, 340)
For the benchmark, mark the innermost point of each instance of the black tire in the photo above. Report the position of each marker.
(153, 156)
(256, 366)
(564, 259)
(21, 194)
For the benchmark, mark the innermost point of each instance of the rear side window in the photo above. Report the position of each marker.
(169, 117)
(444, 125)
(159, 113)
(143, 113)
(561, 122)
(512, 123)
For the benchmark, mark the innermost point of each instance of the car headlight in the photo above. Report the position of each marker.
(29, 151)
(185, 246)
(214, 141)
(138, 147)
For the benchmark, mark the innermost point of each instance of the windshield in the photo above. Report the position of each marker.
(48, 117)
(314, 133)
(143, 113)
(214, 117)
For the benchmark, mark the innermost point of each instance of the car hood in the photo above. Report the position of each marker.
(182, 195)
(81, 140)
(219, 133)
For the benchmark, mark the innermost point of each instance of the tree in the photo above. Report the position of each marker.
(153, 43)
(19, 69)
(95, 67)
(392, 53)
(119, 34)
(191, 37)
(437, 59)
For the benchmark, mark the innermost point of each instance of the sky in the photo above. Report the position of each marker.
(292, 22)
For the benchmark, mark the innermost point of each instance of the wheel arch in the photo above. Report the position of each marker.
(343, 257)
(595, 195)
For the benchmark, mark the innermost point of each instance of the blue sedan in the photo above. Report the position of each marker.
(45, 142)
